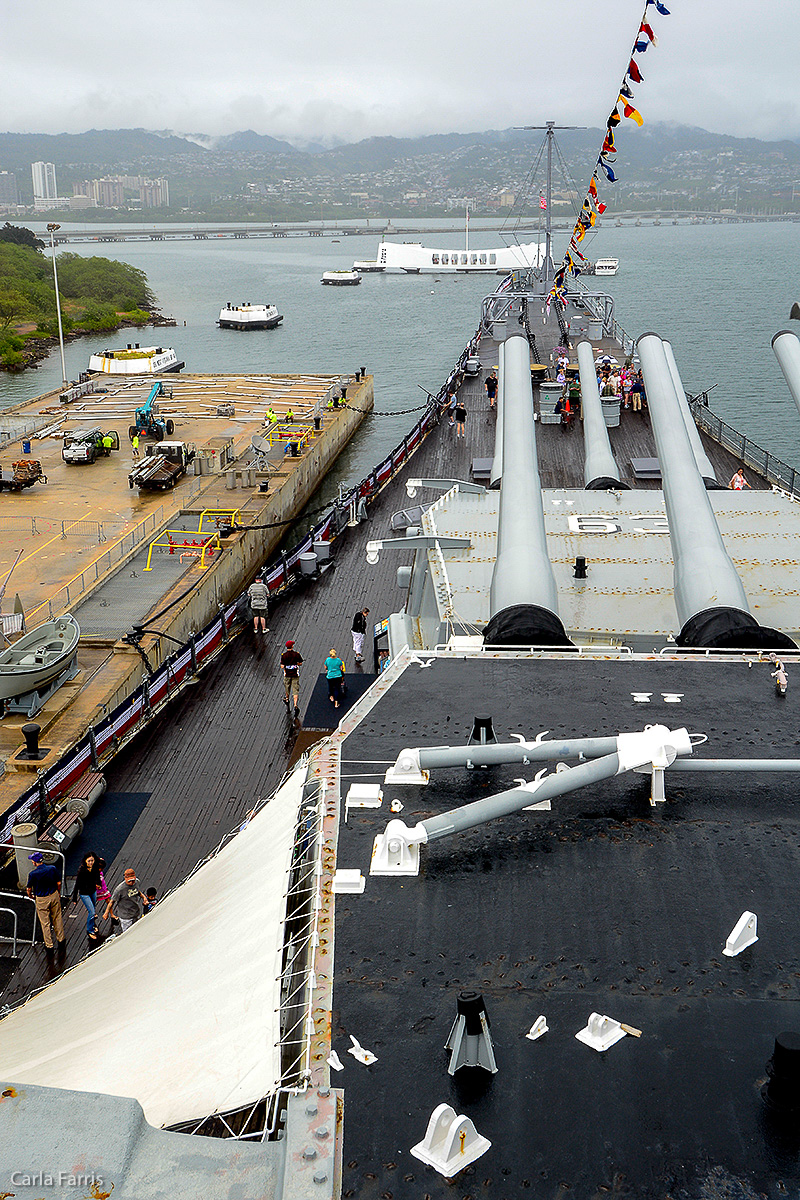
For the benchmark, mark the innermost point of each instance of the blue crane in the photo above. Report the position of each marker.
(147, 420)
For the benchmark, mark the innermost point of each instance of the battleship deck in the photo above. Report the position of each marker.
(603, 905)
(85, 534)
(190, 777)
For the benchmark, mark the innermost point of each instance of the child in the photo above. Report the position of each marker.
(150, 903)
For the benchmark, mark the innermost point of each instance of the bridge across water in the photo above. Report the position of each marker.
(316, 229)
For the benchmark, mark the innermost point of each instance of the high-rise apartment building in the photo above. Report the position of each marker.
(8, 188)
(44, 181)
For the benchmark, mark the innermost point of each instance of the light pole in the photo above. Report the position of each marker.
(51, 230)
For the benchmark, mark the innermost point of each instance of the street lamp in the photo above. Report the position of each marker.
(51, 230)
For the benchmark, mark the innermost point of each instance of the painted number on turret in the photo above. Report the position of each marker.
(637, 523)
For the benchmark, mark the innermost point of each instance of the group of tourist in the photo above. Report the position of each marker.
(124, 905)
(626, 382)
(292, 661)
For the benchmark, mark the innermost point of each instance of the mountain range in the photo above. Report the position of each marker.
(103, 149)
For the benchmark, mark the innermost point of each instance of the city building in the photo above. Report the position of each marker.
(9, 193)
(44, 181)
(123, 191)
(45, 190)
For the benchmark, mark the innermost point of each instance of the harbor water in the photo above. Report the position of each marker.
(717, 292)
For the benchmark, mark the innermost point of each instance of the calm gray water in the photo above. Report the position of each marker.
(718, 292)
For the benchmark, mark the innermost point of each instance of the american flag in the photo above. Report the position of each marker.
(542, 202)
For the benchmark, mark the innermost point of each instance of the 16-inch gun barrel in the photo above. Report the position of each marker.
(599, 466)
(523, 598)
(709, 596)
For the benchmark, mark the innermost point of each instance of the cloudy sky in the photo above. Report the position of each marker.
(352, 69)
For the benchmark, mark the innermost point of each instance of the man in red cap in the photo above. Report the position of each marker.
(291, 662)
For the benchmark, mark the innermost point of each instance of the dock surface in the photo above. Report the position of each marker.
(80, 541)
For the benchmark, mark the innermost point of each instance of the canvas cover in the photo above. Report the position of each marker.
(181, 1011)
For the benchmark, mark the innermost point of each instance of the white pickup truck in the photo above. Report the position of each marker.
(86, 444)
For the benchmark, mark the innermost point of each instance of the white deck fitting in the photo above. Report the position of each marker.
(362, 795)
(346, 880)
(451, 1142)
(537, 1029)
(743, 934)
(600, 1032)
(360, 1053)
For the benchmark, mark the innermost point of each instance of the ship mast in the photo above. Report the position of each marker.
(547, 274)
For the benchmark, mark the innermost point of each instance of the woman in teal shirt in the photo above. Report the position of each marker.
(334, 669)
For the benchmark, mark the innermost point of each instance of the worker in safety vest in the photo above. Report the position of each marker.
(135, 445)
(108, 443)
(330, 403)
(271, 418)
(289, 415)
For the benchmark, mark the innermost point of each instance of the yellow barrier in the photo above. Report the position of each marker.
(291, 433)
(185, 547)
(233, 513)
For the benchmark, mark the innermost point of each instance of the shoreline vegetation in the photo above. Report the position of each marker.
(97, 295)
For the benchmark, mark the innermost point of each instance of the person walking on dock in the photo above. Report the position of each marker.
(491, 388)
(44, 888)
(359, 631)
(127, 900)
(334, 670)
(258, 594)
(135, 445)
(291, 662)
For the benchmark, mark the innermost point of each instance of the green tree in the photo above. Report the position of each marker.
(18, 235)
(104, 280)
(13, 307)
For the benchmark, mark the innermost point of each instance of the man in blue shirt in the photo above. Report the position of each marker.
(44, 886)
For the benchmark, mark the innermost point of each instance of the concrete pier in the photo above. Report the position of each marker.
(84, 534)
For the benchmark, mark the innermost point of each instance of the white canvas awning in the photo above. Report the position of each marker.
(180, 1012)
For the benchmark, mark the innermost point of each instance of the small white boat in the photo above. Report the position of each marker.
(606, 266)
(136, 360)
(341, 278)
(37, 658)
(249, 316)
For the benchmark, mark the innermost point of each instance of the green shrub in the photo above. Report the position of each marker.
(98, 317)
(11, 347)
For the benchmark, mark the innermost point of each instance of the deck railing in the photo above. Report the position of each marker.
(768, 465)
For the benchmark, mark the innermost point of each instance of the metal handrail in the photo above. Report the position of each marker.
(768, 465)
(16, 938)
(13, 938)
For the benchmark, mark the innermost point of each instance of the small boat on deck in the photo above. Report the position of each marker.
(37, 658)
(341, 278)
(249, 316)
